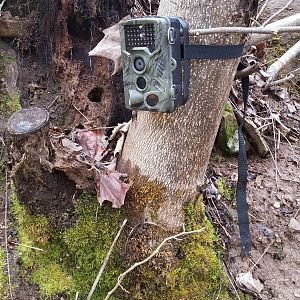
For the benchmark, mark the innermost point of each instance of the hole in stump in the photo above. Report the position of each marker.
(95, 94)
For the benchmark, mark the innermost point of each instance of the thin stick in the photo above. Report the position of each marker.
(1, 5)
(279, 81)
(262, 9)
(229, 276)
(121, 277)
(105, 261)
(5, 233)
(52, 102)
(255, 264)
(77, 295)
(80, 112)
(260, 30)
(27, 246)
(277, 13)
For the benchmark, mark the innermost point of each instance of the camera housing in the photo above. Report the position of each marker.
(156, 76)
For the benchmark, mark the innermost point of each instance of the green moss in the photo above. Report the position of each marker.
(226, 190)
(51, 279)
(3, 277)
(186, 269)
(198, 275)
(9, 103)
(71, 258)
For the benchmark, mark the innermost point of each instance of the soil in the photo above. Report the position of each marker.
(273, 197)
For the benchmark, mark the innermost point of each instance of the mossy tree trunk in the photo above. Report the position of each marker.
(168, 154)
(174, 149)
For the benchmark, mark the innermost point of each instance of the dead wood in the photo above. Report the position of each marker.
(252, 131)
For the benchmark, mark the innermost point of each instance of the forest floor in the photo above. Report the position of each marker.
(273, 197)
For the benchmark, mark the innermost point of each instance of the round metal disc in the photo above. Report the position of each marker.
(27, 120)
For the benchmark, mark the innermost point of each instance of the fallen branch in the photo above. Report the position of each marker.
(288, 56)
(277, 13)
(277, 82)
(1, 6)
(293, 20)
(105, 261)
(121, 277)
(247, 71)
(259, 30)
(262, 9)
(253, 132)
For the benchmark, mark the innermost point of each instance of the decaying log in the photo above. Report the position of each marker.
(251, 131)
(38, 186)
(13, 28)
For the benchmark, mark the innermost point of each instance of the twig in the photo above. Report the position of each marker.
(5, 233)
(273, 70)
(275, 153)
(80, 112)
(277, 13)
(1, 6)
(247, 71)
(231, 278)
(27, 246)
(105, 261)
(293, 20)
(255, 264)
(77, 295)
(52, 102)
(259, 30)
(262, 9)
(279, 81)
(121, 277)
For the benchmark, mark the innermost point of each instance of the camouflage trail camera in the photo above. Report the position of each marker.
(156, 54)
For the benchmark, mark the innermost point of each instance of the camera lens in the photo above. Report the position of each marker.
(152, 100)
(141, 82)
(139, 64)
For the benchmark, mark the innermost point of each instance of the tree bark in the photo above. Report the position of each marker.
(174, 149)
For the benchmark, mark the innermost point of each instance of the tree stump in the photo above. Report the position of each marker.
(38, 186)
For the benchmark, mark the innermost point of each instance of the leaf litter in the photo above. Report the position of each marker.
(89, 153)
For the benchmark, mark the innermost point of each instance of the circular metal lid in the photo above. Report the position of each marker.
(27, 120)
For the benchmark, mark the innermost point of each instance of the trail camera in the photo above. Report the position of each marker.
(156, 53)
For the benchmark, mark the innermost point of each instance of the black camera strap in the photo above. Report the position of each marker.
(230, 52)
(213, 51)
(241, 189)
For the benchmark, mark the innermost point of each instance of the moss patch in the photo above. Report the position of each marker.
(226, 190)
(187, 269)
(199, 274)
(71, 258)
(3, 276)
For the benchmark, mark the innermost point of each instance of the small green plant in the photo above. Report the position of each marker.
(226, 190)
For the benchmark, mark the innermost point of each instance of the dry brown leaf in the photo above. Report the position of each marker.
(246, 280)
(93, 143)
(110, 46)
(111, 188)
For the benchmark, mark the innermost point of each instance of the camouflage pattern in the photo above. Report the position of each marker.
(148, 64)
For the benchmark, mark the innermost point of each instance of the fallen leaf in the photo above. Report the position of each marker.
(294, 224)
(110, 187)
(110, 46)
(246, 280)
(93, 143)
(71, 145)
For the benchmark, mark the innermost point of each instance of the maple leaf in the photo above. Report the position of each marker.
(93, 142)
(111, 187)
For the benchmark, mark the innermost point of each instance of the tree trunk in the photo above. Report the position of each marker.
(174, 149)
